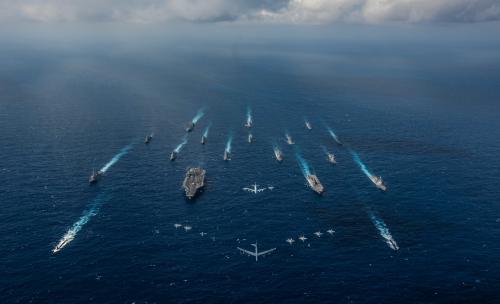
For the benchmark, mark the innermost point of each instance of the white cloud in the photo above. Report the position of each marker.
(282, 11)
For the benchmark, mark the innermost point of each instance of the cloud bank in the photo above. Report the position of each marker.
(262, 11)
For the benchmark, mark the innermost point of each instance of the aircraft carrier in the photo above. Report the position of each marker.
(315, 183)
(195, 180)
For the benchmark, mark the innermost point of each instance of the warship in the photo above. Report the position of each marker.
(289, 140)
(173, 155)
(250, 138)
(190, 127)
(227, 155)
(379, 183)
(315, 183)
(94, 177)
(248, 124)
(278, 154)
(203, 139)
(194, 181)
(308, 125)
(148, 139)
(331, 158)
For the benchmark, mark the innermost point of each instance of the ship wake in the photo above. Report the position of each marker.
(116, 158)
(70, 235)
(333, 135)
(383, 230)
(182, 144)
(207, 129)
(362, 165)
(229, 144)
(249, 116)
(199, 115)
(303, 164)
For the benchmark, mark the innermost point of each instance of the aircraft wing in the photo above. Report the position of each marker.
(260, 190)
(247, 251)
(248, 189)
(266, 252)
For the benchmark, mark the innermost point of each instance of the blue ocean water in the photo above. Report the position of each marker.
(425, 118)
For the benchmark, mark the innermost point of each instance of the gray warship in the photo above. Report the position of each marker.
(194, 181)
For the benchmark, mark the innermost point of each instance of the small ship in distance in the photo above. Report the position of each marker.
(250, 138)
(148, 138)
(308, 125)
(190, 127)
(94, 177)
(173, 155)
(379, 182)
(331, 158)
(203, 139)
(194, 181)
(289, 140)
(278, 154)
(315, 183)
(227, 155)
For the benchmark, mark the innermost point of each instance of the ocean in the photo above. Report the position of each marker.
(422, 114)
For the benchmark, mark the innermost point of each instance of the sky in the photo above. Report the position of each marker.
(251, 11)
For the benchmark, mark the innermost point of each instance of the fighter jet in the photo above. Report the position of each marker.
(254, 189)
(290, 241)
(255, 253)
(330, 231)
(318, 233)
(177, 226)
(187, 228)
(302, 238)
(203, 233)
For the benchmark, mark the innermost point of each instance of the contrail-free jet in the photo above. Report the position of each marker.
(256, 253)
(254, 189)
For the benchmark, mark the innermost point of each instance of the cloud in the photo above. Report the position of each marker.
(273, 11)
(378, 11)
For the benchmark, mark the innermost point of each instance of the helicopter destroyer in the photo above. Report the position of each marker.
(194, 181)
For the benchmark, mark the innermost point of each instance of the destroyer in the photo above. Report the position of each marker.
(308, 125)
(94, 177)
(249, 123)
(148, 139)
(331, 158)
(289, 139)
(203, 139)
(278, 154)
(379, 183)
(195, 180)
(190, 127)
(173, 155)
(315, 183)
(250, 138)
(227, 155)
